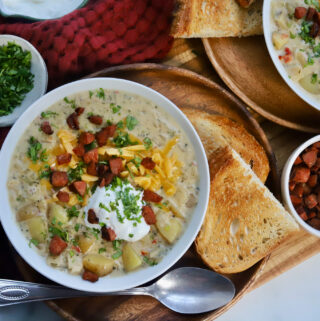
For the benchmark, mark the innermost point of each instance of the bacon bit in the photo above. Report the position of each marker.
(64, 158)
(79, 111)
(92, 217)
(57, 245)
(154, 242)
(91, 156)
(79, 150)
(90, 276)
(287, 57)
(86, 138)
(95, 119)
(63, 196)
(144, 253)
(76, 248)
(73, 121)
(148, 163)
(46, 128)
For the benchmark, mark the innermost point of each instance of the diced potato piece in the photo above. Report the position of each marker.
(282, 20)
(74, 264)
(85, 243)
(279, 39)
(171, 230)
(301, 57)
(31, 210)
(98, 264)
(37, 228)
(310, 85)
(131, 260)
(57, 214)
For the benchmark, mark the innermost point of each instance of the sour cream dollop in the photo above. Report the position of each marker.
(119, 206)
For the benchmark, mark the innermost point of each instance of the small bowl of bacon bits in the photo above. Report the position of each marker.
(300, 184)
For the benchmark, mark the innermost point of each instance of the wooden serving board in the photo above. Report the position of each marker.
(246, 68)
(188, 90)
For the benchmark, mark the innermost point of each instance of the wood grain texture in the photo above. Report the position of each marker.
(246, 68)
(187, 90)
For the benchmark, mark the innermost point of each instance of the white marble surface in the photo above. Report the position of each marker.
(293, 296)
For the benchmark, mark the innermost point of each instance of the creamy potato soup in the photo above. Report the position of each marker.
(103, 182)
(295, 35)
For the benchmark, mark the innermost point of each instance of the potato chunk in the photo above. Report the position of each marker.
(311, 84)
(57, 214)
(37, 228)
(171, 230)
(131, 260)
(31, 210)
(98, 264)
(85, 243)
(279, 39)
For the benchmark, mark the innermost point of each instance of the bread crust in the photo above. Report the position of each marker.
(244, 222)
(218, 131)
(216, 18)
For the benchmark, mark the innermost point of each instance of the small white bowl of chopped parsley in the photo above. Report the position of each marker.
(23, 77)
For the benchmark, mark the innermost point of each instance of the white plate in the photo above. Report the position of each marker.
(309, 98)
(105, 284)
(38, 68)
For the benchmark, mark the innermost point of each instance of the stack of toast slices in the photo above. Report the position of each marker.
(244, 221)
(217, 18)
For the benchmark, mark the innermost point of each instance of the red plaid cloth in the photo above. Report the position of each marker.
(104, 33)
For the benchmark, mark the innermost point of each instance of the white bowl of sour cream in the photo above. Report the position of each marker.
(134, 278)
(39, 9)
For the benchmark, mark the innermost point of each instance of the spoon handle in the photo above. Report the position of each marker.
(15, 292)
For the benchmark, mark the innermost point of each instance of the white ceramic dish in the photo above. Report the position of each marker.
(105, 284)
(309, 98)
(285, 177)
(38, 68)
(39, 9)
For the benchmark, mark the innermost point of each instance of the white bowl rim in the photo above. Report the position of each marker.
(11, 118)
(297, 89)
(285, 177)
(132, 279)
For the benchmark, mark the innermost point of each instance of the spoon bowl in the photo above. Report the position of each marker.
(193, 290)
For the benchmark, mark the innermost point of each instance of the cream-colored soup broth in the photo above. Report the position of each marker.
(295, 35)
(103, 182)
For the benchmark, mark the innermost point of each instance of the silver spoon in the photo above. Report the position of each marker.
(184, 290)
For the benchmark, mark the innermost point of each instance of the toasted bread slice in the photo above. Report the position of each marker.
(245, 3)
(244, 221)
(216, 18)
(218, 131)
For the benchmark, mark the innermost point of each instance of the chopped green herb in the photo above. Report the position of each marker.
(90, 146)
(102, 249)
(34, 242)
(76, 227)
(34, 149)
(131, 122)
(131, 235)
(101, 205)
(73, 212)
(44, 156)
(76, 173)
(116, 244)
(109, 122)
(90, 93)
(137, 161)
(46, 172)
(115, 108)
(71, 253)
(149, 261)
(314, 3)
(123, 140)
(16, 79)
(48, 114)
(120, 124)
(147, 143)
(80, 198)
(71, 102)
(314, 78)
(292, 35)
(100, 93)
(61, 233)
(116, 255)
(89, 114)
